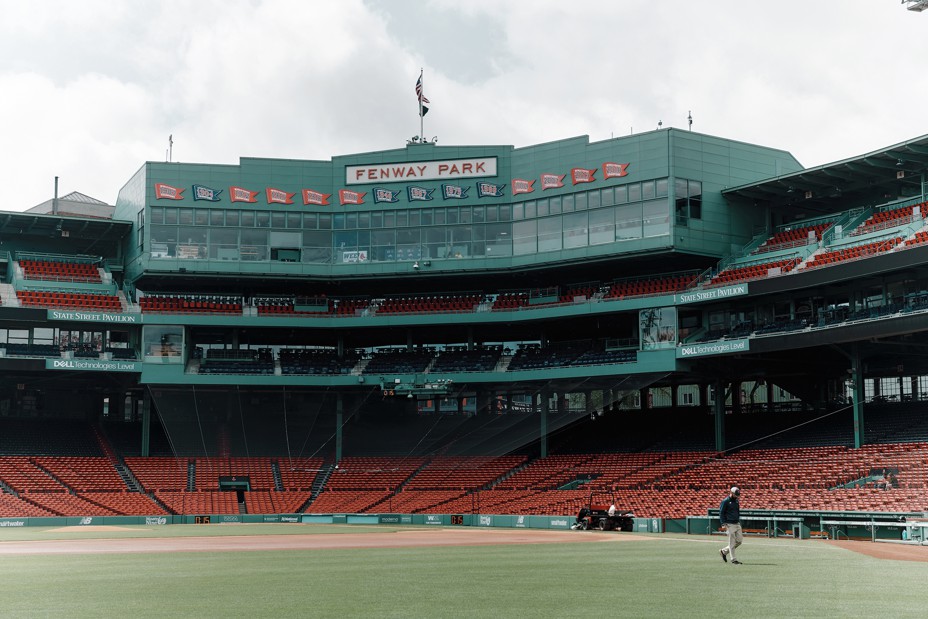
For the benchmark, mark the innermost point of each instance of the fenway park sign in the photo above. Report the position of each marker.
(420, 170)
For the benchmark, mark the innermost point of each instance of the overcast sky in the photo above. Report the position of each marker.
(91, 89)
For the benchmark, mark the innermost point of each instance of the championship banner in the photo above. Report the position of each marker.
(166, 192)
(419, 194)
(614, 170)
(582, 175)
(552, 181)
(346, 196)
(202, 192)
(385, 195)
(521, 185)
(240, 194)
(489, 190)
(454, 192)
(278, 196)
(316, 197)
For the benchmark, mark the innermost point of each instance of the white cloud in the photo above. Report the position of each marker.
(91, 90)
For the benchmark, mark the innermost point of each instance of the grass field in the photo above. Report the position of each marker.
(643, 576)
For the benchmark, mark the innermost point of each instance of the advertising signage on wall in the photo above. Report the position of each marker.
(450, 169)
(93, 365)
(705, 349)
(79, 316)
(711, 294)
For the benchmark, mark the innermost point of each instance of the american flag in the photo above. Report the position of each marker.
(423, 102)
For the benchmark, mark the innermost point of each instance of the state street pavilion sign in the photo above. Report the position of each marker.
(448, 169)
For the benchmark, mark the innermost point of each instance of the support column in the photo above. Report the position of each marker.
(857, 375)
(543, 438)
(146, 423)
(719, 408)
(339, 422)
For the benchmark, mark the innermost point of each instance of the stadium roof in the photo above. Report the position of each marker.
(75, 204)
(880, 176)
(91, 229)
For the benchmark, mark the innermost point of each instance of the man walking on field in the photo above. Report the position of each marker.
(730, 517)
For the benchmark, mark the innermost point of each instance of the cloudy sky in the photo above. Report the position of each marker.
(91, 89)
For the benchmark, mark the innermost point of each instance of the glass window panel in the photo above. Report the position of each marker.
(479, 214)
(549, 234)
(223, 244)
(656, 218)
(338, 221)
(498, 241)
(402, 219)
(628, 222)
(156, 215)
(530, 212)
(389, 219)
(364, 220)
(317, 246)
(232, 218)
(170, 215)
(248, 219)
(594, 199)
(294, 220)
(602, 226)
(465, 215)
(543, 208)
(567, 203)
(580, 201)
(414, 219)
(634, 192)
(607, 196)
(278, 220)
(376, 220)
(452, 214)
(262, 219)
(492, 213)
(351, 221)
(621, 195)
(325, 221)
(439, 217)
(185, 217)
(575, 230)
(504, 212)
(425, 217)
(647, 190)
(201, 217)
(525, 237)
(435, 244)
(660, 187)
(518, 211)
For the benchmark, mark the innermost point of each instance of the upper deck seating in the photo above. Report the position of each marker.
(190, 304)
(735, 273)
(882, 220)
(435, 303)
(69, 300)
(793, 237)
(60, 271)
(855, 252)
(648, 287)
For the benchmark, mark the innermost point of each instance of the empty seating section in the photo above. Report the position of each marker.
(298, 474)
(793, 237)
(855, 252)
(70, 300)
(735, 273)
(511, 300)
(437, 303)
(238, 361)
(460, 359)
(159, 473)
(272, 306)
(359, 483)
(881, 220)
(399, 361)
(317, 361)
(61, 271)
(920, 238)
(257, 470)
(647, 287)
(190, 304)
(533, 356)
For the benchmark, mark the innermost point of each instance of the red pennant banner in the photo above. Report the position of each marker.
(316, 197)
(240, 194)
(166, 192)
(521, 185)
(278, 196)
(552, 181)
(582, 175)
(346, 196)
(614, 170)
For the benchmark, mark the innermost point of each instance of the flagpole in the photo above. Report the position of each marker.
(421, 115)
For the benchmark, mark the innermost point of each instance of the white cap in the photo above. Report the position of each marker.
(735, 490)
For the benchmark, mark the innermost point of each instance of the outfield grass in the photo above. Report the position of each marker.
(671, 576)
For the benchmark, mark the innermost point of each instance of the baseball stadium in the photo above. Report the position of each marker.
(411, 382)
